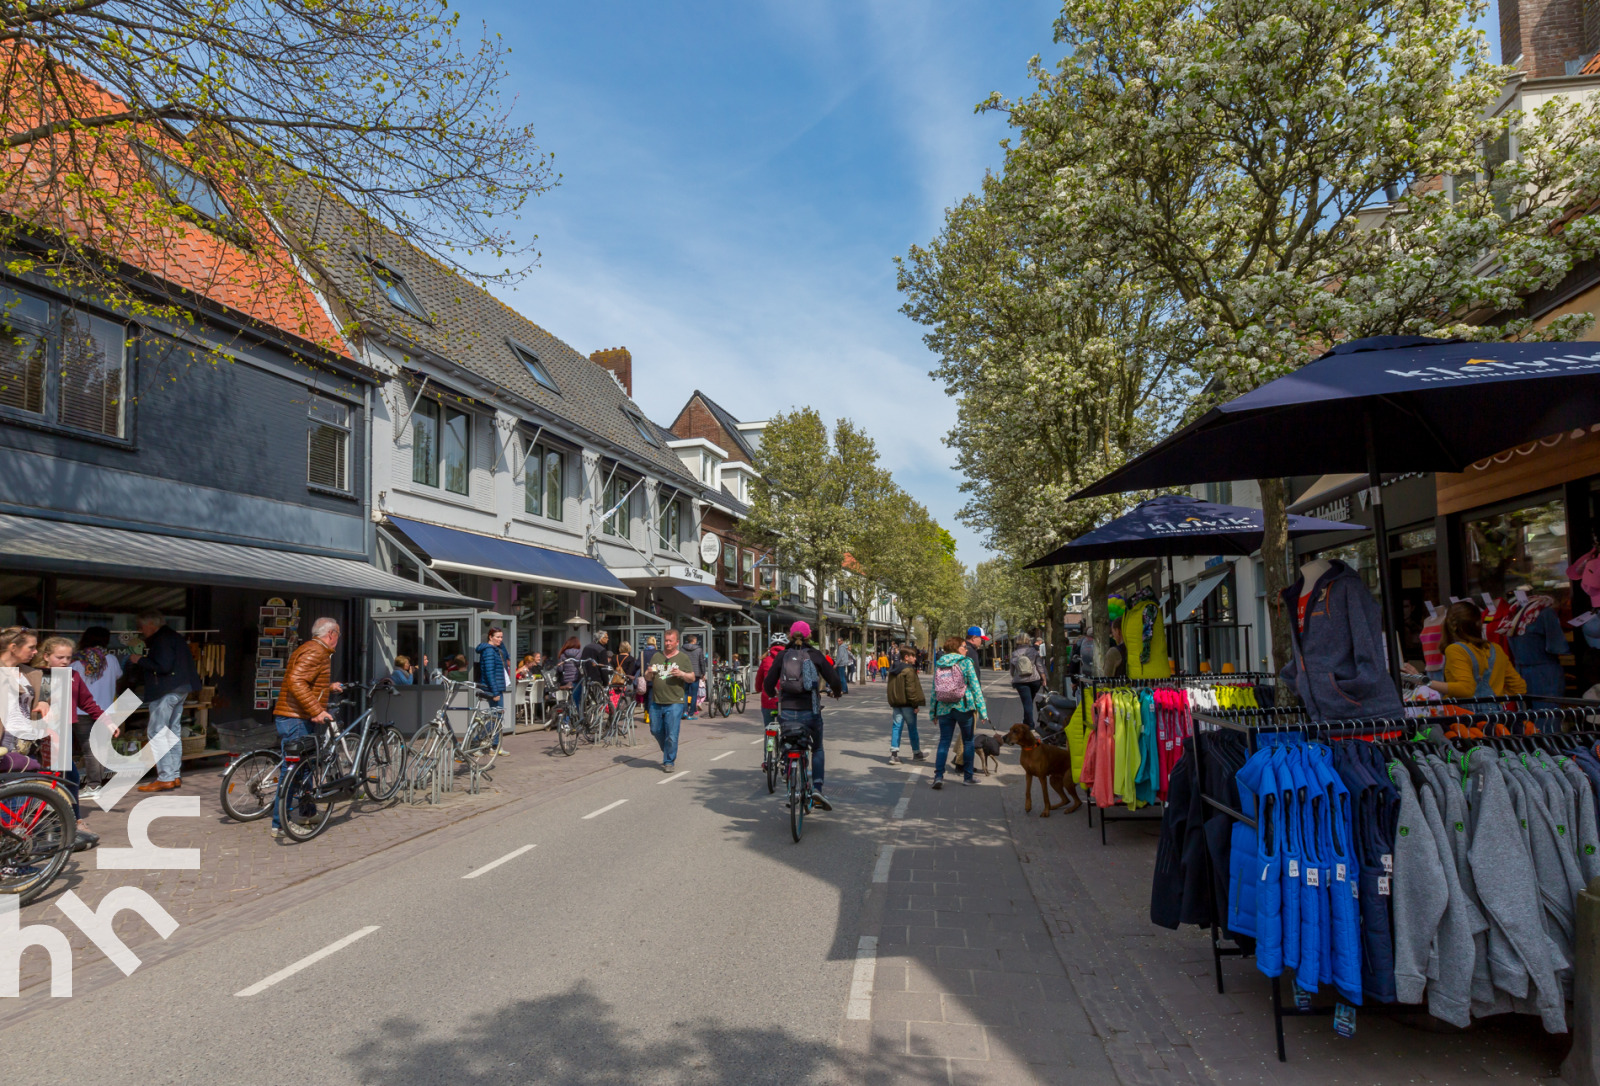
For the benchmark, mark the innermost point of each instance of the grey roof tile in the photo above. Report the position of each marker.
(468, 326)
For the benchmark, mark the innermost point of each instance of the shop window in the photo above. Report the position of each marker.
(544, 482)
(62, 365)
(1518, 548)
(749, 570)
(328, 444)
(21, 600)
(534, 365)
(617, 498)
(671, 525)
(114, 604)
(730, 564)
(396, 289)
(441, 446)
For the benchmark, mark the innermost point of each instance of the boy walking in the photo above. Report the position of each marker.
(905, 698)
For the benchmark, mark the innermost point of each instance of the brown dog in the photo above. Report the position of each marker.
(985, 748)
(1052, 765)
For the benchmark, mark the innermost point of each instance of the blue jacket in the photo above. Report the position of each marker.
(167, 666)
(491, 669)
(1337, 666)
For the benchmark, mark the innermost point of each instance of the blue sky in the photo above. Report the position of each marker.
(737, 180)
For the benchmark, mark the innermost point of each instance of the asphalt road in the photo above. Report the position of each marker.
(640, 929)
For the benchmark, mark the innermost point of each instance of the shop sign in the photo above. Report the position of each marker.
(1334, 510)
(710, 548)
(449, 631)
(1215, 561)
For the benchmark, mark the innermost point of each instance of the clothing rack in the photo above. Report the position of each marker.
(1094, 685)
(1553, 742)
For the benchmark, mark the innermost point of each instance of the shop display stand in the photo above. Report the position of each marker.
(277, 625)
(1335, 729)
(1092, 686)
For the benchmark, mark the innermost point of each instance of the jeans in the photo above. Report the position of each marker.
(664, 720)
(164, 714)
(813, 723)
(947, 731)
(576, 697)
(905, 716)
(93, 772)
(844, 680)
(1027, 692)
(289, 727)
(497, 703)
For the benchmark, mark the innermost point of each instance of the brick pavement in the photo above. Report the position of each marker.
(244, 871)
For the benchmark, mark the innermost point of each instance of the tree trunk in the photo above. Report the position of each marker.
(819, 629)
(1055, 637)
(1099, 574)
(1275, 565)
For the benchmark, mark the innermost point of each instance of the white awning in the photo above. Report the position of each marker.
(1197, 595)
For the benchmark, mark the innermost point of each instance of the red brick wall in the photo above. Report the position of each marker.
(619, 362)
(697, 421)
(1547, 33)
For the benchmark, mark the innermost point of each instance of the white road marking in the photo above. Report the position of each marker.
(881, 872)
(753, 742)
(900, 808)
(663, 780)
(866, 971)
(721, 756)
(309, 960)
(607, 807)
(491, 865)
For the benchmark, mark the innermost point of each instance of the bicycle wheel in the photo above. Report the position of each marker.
(250, 786)
(383, 767)
(739, 698)
(40, 829)
(724, 701)
(301, 817)
(797, 797)
(771, 766)
(481, 744)
(622, 721)
(566, 731)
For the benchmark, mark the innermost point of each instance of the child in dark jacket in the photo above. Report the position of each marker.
(905, 698)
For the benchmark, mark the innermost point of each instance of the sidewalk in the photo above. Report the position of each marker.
(245, 871)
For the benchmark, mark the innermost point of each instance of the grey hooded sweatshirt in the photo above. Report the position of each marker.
(1420, 892)
(1454, 956)
(1588, 832)
(1502, 868)
(1485, 999)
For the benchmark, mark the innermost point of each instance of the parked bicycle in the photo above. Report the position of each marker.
(727, 694)
(37, 831)
(321, 768)
(476, 747)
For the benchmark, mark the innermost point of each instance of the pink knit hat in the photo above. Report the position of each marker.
(800, 629)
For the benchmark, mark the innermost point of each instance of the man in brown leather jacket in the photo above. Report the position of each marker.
(306, 682)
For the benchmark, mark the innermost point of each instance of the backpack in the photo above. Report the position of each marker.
(569, 671)
(1022, 666)
(797, 674)
(949, 684)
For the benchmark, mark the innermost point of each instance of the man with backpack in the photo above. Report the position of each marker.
(957, 703)
(1027, 673)
(905, 698)
(796, 680)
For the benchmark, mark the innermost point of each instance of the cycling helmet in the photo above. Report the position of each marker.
(780, 638)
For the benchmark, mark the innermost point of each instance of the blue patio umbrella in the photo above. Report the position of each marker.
(1388, 403)
(1179, 524)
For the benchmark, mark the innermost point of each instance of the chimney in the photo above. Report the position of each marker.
(1547, 37)
(619, 362)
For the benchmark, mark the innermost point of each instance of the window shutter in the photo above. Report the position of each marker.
(93, 365)
(22, 370)
(327, 456)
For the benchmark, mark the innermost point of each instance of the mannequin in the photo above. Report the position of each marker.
(1310, 574)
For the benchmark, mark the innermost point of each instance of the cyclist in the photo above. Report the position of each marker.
(307, 680)
(797, 701)
(769, 703)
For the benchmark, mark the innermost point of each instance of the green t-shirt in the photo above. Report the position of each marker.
(664, 690)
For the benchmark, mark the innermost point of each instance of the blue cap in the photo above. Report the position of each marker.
(975, 631)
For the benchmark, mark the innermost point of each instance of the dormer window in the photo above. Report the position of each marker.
(535, 367)
(643, 427)
(191, 192)
(393, 283)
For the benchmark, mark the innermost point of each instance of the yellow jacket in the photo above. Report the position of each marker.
(1458, 666)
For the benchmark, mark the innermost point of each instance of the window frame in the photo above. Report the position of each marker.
(538, 453)
(676, 511)
(624, 515)
(227, 225)
(641, 425)
(747, 568)
(51, 335)
(346, 429)
(533, 364)
(440, 414)
(410, 304)
(730, 564)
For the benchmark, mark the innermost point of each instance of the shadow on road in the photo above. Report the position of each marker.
(577, 1039)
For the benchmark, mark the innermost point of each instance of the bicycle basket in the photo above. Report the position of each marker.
(301, 746)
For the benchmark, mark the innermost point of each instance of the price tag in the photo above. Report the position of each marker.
(1388, 863)
(1432, 610)
(1338, 872)
(1344, 1020)
(1302, 998)
(1294, 869)
(1383, 885)
(1580, 620)
(1455, 599)
(1312, 877)
(1522, 596)
(1488, 601)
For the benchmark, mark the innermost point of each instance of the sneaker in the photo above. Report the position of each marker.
(894, 757)
(88, 792)
(667, 767)
(918, 756)
(18, 871)
(277, 831)
(938, 783)
(818, 802)
(85, 841)
(969, 780)
(502, 753)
